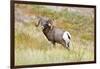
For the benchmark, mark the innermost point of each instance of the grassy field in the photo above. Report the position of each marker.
(32, 47)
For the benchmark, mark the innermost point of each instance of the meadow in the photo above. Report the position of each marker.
(32, 47)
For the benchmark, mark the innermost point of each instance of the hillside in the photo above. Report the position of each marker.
(32, 47)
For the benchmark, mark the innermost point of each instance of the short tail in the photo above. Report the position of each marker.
(69, 36)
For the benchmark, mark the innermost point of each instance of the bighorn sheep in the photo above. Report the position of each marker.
(53, 34)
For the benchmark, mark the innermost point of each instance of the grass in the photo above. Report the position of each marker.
(44, 54)
(32, 47)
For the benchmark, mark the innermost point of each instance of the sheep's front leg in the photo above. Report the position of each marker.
(53, 43)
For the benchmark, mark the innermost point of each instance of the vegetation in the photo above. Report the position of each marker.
(32, 47)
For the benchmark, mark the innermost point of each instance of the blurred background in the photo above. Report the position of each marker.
(32, 47)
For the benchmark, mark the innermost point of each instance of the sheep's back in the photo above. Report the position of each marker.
(58, 35)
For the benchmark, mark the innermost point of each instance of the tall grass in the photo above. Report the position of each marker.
(32, 47)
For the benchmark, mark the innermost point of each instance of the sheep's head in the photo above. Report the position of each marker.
(45, 23)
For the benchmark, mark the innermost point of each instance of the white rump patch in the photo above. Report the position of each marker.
(66, 36)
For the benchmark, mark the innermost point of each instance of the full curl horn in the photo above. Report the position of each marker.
(39, 21)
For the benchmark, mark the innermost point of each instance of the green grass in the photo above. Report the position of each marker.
(45, 54)
(32, 47)
(38, 50)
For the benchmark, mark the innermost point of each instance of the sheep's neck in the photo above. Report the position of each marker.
(45, 31)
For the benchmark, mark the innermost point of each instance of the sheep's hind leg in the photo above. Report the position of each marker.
(66, 40)
(68, 44)
(65, 46)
